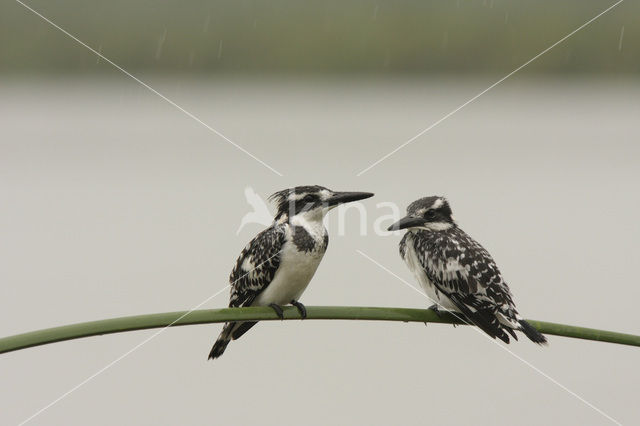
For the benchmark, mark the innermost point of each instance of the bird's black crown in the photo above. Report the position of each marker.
(433, 209)
(292, 200)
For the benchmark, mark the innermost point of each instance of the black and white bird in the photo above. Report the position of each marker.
(456, 272)
(275, 268)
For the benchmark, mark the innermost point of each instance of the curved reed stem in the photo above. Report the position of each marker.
(174, 319)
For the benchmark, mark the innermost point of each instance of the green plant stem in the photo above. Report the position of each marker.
(173, 319)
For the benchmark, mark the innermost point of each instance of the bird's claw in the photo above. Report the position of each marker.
(301, 308)
(435, 308)
(278, 309)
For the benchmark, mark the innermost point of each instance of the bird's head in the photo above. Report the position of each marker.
(430, 213)
(311, 201)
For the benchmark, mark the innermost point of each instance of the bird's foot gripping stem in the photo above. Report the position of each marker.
(440, 313)
(278, 309)
(301, 308)
(435, 308)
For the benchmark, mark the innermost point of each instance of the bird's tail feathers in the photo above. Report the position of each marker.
(495, 324)
(533, 334)
(482, 318)
(242, 328)
(511, 332)
(223, 340)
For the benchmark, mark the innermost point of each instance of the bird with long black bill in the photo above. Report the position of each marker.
(457, 273)
(275, 268)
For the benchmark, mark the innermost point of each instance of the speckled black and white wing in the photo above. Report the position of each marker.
(253, 272)
(461, 269)
(256, 266)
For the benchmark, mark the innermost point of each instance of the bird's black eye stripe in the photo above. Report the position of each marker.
(429, 213)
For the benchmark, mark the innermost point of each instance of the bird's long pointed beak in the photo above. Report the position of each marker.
(406, 222)
(347, 197)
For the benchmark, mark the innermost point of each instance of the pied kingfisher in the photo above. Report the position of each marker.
(276, 266)
(456, 272)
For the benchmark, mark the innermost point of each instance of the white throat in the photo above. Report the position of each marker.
(311, 221)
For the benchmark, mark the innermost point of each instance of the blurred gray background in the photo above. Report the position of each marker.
(113, 202)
